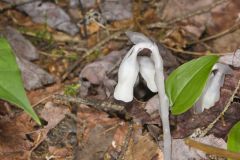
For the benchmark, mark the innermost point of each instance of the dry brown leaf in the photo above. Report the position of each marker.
(143, 148)
(36, 96)
(116, 10)
(47, 12)
(53, 114)
(33, 76)
(21, 46)
(95, 132)
(14, 143)
(96, 74)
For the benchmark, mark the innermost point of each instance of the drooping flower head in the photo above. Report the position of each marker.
(132, 64)
(211, 93)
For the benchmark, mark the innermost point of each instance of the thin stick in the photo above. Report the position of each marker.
(84, 20)
(126, 142)
(212, 150)
(220, 34)
(97, 46)
(193, 53)
(42, 100)
(108, 107)
(187, 15)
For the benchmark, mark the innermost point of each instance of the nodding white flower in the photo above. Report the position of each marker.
(133, 64)
(151, 69)
(211, 93)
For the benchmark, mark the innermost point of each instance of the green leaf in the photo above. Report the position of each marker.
(185, 85)
(11, 85)
(233, 141)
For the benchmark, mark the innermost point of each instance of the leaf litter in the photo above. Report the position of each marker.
(70, 130)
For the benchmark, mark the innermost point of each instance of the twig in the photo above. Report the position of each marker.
(100, 105)
(59, 37)
(202, 133)
(91, 50)
(193, 53)
(187, 15)
(212, 150)
(56, 55)
(126, 142)
(42, 100)
(84, 20)
(229, 30)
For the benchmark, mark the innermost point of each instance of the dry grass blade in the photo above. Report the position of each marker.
(212, 150)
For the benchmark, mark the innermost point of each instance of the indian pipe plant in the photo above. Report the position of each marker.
(196, 83)
(189, 85)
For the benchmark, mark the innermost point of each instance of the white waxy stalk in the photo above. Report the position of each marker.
(164, 102)
(147, 71)
(127, 76)
(211, 92)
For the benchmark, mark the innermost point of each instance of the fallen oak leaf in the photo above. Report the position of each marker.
(21, 46)
(52, 114)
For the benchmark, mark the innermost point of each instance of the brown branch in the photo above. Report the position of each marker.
(212, 150)
(108, 107)
(175, 50)
(199, 11)
(220, 34)
(126, 142)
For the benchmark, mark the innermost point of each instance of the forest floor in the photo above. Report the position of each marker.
(72, 53)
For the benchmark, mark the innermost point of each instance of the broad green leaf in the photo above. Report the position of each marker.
(185, 85)
(233, 141)
(11, 85)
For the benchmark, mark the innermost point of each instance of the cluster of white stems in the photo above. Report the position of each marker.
(151, 69)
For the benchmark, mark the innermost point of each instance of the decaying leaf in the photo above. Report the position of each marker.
(57, 131)
(95, 132)
(33, 76)
(116, 10)
(98, 72)
(85, 3)
(47, 12)
(22, 47)
(219, 17)
(192, 28)
(152, 104)
(14, 142)
(143, 148)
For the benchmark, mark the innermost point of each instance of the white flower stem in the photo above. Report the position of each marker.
(164, 102)
(164, 113)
